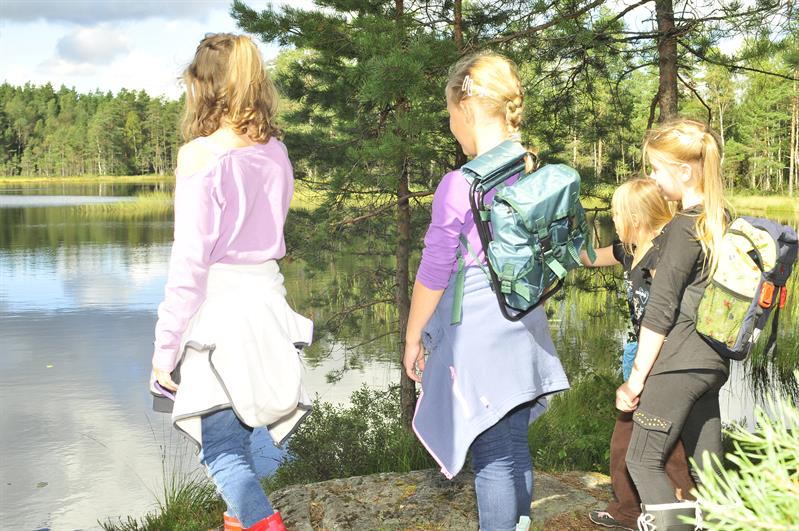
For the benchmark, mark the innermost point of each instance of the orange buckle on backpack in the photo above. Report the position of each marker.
(783, 296)
(766, 298)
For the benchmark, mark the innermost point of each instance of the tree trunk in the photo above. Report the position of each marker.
(574, 147)
(667, 60)
(792, 152)
(599, 159)
(458, 25)
(407, 386)
(403, 255)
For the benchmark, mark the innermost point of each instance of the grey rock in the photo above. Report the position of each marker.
(424, 500)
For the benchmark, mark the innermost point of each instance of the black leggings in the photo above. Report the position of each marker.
(682, 404)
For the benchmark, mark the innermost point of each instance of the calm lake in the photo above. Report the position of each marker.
(79, 287)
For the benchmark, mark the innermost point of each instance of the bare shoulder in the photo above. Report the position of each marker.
(193, 157)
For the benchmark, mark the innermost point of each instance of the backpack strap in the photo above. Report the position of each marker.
(460, 279)
(589, 247)
(771, 345)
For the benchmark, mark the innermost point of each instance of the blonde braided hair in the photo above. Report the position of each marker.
(493, 80)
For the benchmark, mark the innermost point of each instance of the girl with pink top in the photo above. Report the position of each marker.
(226, 340)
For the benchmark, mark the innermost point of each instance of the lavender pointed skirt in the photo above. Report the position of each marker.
(480, 369)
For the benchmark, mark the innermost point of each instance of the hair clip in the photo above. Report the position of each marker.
(469, 87)
(466, 87)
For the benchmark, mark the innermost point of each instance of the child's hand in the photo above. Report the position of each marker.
(626, 398)
(413, 360)
(165, 379)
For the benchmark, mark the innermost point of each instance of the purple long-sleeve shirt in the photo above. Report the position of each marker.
(451, 216)
(233, 212)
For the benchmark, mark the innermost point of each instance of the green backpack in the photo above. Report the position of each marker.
(532, 231)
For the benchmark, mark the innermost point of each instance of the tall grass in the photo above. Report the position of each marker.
(143, 205)
(778, 204)
(187, 501)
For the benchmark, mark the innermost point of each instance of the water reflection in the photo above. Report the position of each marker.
(77, 308)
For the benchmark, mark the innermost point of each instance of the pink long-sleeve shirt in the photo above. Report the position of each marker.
(232, 212)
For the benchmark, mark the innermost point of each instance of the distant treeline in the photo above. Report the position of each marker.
(44, 131)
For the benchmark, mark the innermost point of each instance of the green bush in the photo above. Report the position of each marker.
(761, 491)
(337, 442)
(574, 434)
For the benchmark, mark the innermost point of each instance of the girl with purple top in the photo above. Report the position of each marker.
(486, 378)
(224, 321)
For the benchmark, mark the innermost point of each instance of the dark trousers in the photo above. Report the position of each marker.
(627, 505)
(674, 405)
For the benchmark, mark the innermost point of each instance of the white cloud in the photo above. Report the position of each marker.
(56, 67)
(92, 11)
(98, 45)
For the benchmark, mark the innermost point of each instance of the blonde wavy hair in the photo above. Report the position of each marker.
(639, 199)
(686, 141)
(492, 80)
(227, 84)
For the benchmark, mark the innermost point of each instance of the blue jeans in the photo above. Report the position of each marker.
(227, 457)
(503, 472)
(628, 358)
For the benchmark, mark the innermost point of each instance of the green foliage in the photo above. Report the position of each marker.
(45, 132)
(364, 438)
(763, 490)
(570, 437)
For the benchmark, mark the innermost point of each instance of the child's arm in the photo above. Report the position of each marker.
(649, 345)
(423, 304)
(679, 256)
(195, 236)
(604, 257)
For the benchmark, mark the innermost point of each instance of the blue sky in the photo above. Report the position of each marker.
(133, 44)
(110, 44)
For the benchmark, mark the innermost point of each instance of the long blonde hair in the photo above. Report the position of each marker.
(493, 81)
(227, 83)
(639, 199)
(685, 141)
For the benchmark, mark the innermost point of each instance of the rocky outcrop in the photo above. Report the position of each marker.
(425, 500)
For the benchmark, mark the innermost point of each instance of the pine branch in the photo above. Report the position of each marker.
(731, 66)
(382, 209)
(702, 101)
(545, 25)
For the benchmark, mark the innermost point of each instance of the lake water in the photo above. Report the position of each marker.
(78, 294)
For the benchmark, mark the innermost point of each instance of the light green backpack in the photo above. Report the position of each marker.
(532, 231)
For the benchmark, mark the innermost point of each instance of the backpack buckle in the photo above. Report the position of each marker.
(766, 298)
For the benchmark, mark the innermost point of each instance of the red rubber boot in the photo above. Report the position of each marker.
(231, 523)
(272, 523)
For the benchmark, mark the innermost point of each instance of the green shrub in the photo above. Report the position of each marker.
(761, 490)
(338, 442)
(574, 434)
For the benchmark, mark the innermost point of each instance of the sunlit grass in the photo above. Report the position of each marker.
(187, 499)
(765, 203)
(145, 204)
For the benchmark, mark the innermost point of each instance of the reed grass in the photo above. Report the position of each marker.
(145, 204)
(186, 501)
(765, 203)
